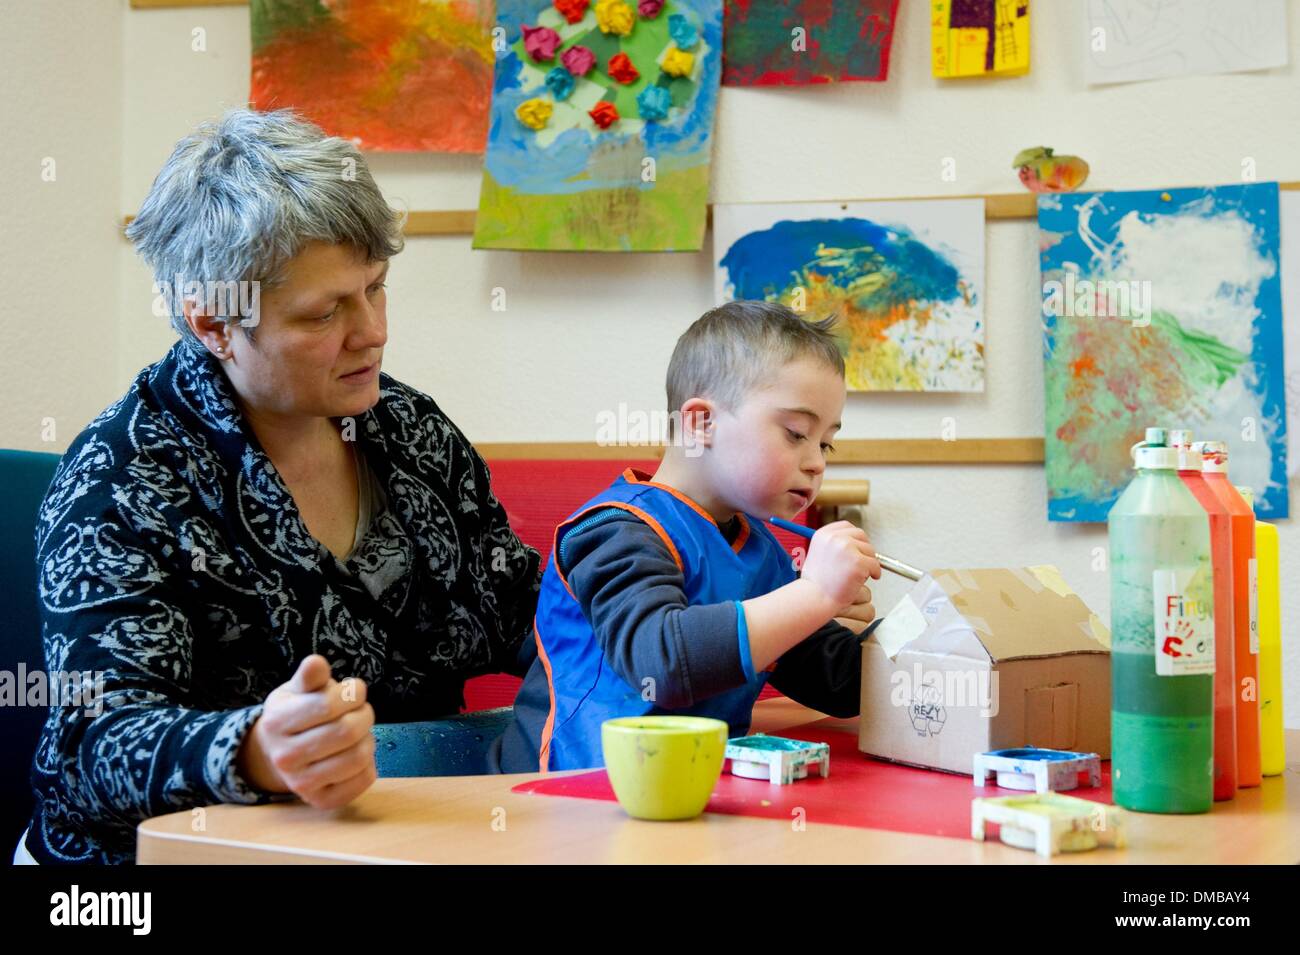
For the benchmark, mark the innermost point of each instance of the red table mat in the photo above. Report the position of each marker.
(860, 791)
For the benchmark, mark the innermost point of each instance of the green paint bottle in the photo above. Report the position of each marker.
(1162, 640)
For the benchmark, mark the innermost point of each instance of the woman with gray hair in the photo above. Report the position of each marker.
(266, 543)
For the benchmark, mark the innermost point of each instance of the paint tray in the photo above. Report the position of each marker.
(1049, 823)
(1037, 770)
(776, 758)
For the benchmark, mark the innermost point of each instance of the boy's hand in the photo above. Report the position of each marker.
(858, 615)
(840, 559)
(313, 738)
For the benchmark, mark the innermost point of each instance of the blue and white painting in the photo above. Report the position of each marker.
(1161, 308)
(906, 280)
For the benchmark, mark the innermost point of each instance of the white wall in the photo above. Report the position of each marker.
(61, 65)
(584, 332)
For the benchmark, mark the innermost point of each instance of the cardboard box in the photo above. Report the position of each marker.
(977, 660)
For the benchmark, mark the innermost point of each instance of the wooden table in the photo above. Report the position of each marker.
(458, 819)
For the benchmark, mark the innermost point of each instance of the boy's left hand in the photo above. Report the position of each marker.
(857, 615)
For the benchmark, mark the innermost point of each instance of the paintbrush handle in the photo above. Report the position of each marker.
(900, 568)
(887, 563)
(792, 527)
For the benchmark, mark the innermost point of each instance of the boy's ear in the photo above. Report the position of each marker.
(697, 423)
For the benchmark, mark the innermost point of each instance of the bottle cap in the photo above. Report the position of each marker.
(1149, 458)
(1188, 460)
(1144, 452)
(1214, 455)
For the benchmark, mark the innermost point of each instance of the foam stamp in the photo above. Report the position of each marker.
(1049, 823)
(775, 758)
(1037, 770)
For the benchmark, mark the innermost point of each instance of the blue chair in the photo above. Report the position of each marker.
(24, 477)
(457, 746)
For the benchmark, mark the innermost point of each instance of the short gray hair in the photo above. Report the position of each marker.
(239, 197)
(736, 346)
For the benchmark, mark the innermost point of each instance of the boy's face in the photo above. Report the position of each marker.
(768, 455)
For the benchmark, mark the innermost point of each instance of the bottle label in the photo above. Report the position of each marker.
(1254, 605)
(1184, 624)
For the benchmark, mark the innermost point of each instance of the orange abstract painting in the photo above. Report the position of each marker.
(389, 75)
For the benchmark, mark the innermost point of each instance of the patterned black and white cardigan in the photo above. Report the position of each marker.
(174, 566)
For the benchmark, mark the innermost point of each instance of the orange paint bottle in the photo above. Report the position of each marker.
(1214, 470)
(1225, 646)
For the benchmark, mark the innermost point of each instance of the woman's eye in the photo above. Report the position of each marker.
(828, 449)
(325, 318)
(376, 287)
(795, 435)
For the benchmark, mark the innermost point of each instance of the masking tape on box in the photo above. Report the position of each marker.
(1052, 579)
(1029, 580)
(900, 627)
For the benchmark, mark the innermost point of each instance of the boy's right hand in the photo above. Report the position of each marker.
(313, 738)
(840, 559)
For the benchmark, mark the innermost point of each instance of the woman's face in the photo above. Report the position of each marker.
(317, 347)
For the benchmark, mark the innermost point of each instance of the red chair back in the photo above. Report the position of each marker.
(537, 496)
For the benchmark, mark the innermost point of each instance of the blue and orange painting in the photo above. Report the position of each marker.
(600, 125)
(1161, 308)
(904, 278)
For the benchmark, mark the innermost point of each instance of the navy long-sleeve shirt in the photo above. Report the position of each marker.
(173, 564)
(632, 592)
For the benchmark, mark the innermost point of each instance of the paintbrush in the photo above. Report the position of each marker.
(887, 563)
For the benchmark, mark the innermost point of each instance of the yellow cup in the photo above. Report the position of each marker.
(663, 767)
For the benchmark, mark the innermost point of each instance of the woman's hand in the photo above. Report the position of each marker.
(313, 739)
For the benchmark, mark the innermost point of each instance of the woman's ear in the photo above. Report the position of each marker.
(212, 331)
